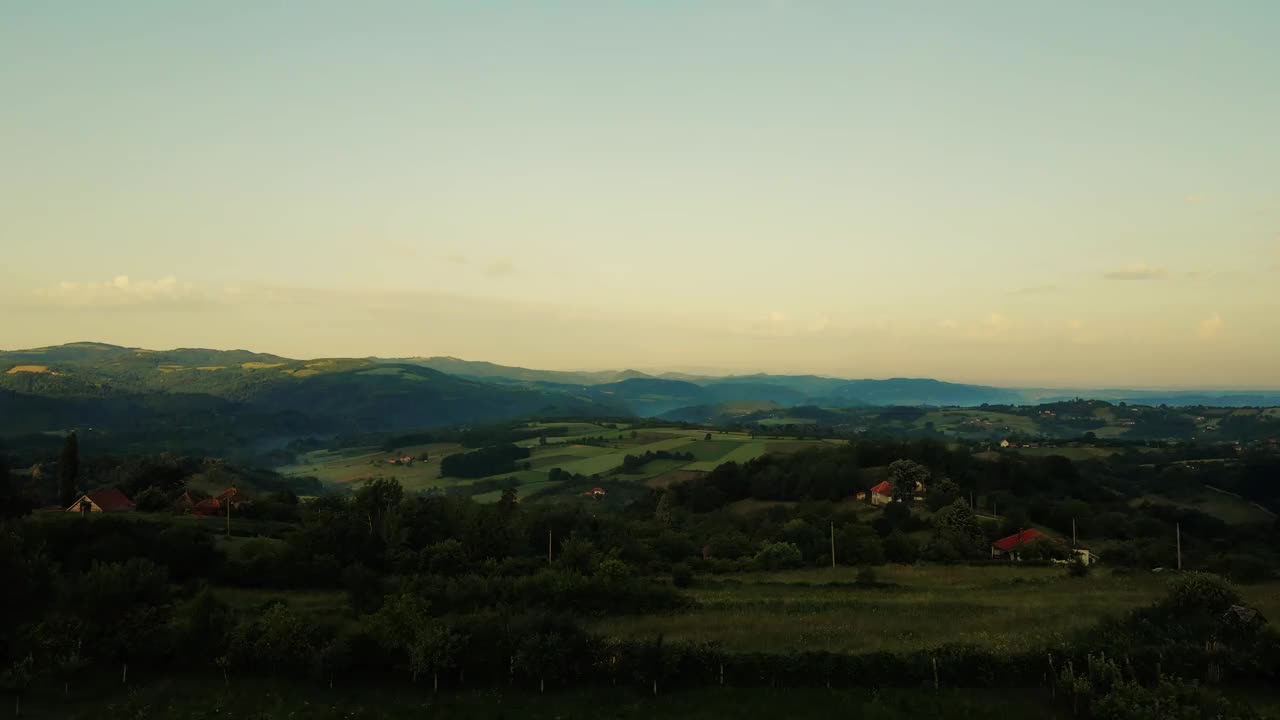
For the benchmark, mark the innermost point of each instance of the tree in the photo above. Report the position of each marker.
(541, 655)
(956, 534)
(904, 475)
(432, 647)
(377, 501)
(942, 494)
(665, 512)
(69, 470)
(17, 678)
(707, 437)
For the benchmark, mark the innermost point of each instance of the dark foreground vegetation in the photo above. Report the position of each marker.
(477, 609)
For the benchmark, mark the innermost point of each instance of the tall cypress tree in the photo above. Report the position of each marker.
(69, 470)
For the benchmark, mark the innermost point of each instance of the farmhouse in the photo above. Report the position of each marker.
(104, 501)
(1011, 547)
(596, 493)
(882, 494)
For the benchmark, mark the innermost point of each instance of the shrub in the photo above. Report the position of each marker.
(1196, 592)
(779, 556)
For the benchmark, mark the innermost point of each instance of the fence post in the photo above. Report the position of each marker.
(935, 673)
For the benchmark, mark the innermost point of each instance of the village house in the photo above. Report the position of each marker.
(103, 501)
(882, 494)
(1011, 547)
(217, 505)
(596, 493)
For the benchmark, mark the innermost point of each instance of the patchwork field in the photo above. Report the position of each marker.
(918, 607)
(578, 448)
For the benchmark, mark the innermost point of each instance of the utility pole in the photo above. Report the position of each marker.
(833, 546)
(548, 547)
(228, 501)
(1178, 528)
(1073, 532)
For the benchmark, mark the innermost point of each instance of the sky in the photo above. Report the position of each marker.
(1016, 193)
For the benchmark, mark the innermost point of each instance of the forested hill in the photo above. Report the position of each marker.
(243, 397)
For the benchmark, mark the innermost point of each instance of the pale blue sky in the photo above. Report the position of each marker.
(1024, 192)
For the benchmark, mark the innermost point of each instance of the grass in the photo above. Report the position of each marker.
(1006, 608)
(352, 465)
(704, 450)
(1224, 506)
(204, 696)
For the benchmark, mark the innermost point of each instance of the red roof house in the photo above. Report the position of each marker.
(1021, 537)
(1010, 547)
(882, 494)
(107, 500)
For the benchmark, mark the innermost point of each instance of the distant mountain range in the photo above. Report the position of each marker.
(238, 396)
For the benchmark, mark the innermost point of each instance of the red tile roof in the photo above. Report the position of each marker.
(884, 488)
(111, 500)
(1019, 538)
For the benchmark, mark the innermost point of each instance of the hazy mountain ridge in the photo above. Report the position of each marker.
(91, 384)
(250, 394)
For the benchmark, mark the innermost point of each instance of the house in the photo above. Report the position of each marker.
(218, 505)
(596, 493)
(1004, 443)
(1008, 547)
(104, 501)
(882, 494)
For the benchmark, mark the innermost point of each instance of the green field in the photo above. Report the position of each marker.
(351, 465)
(569, 452)
(1009, 608)
(1224, 506)
(988, 422)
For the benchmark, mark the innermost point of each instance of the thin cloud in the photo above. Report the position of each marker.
(120, 291)
(1140, 271)
(1210, 327)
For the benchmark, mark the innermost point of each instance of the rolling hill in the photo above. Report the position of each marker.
(246, 394)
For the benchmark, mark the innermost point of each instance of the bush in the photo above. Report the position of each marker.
(779, 556)
(1196, 592)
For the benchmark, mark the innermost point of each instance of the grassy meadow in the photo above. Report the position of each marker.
(914, 608)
